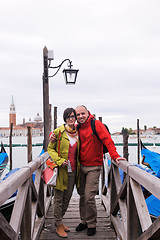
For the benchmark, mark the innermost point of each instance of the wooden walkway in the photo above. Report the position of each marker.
(71, 219)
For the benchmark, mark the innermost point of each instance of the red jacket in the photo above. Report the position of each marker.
(91, 148)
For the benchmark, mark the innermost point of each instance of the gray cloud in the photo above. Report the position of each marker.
(115, 45)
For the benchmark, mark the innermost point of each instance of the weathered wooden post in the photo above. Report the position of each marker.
(138, 142)
(48, 56)
(55, 117)
(10, 145)
(125, 144)
(50, 118)
(45, 98)
(100, 119)
(103, 187)
(26, 226)
(94, 115)
(29, 144)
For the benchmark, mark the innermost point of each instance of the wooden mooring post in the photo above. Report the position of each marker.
(100, 119)
(10, 145)
(46, 98)
(138, 142)
(29, 145)
(125, 144)
(55, 117)
(50, 117)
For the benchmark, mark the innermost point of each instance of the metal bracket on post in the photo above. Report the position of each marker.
(46, 69)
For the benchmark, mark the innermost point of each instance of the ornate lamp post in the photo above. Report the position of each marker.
(70, 75)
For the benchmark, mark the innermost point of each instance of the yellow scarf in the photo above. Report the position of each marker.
(71, 132)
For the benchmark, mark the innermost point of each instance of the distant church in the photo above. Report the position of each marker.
(21, 129)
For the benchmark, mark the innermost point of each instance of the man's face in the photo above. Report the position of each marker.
(82, 114)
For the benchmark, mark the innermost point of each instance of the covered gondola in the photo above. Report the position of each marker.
(3, 159)
(7, 207)
(152, 160)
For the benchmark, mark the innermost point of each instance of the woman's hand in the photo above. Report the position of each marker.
(52, 137)
(65, 163)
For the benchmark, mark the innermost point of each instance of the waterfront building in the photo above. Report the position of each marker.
(21, 129)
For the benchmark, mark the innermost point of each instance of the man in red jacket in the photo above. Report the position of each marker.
(91, 160)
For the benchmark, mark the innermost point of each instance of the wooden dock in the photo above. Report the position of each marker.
(32, 214)
(72, 219)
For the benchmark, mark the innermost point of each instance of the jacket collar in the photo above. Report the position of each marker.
(62, 128)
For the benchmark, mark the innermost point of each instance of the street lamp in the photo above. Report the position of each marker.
(70, 76)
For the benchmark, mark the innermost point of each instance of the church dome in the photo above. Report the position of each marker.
(37, 118)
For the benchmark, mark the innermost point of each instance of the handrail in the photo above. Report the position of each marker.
(31, 204)
(127, 207)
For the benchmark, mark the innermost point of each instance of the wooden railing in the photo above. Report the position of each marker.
(127, 207)
(31, 203)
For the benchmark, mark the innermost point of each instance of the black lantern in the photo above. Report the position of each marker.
(70, 75)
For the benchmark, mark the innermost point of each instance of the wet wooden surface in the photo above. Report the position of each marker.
(72, 219)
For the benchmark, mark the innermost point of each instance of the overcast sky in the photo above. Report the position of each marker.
(114, 44)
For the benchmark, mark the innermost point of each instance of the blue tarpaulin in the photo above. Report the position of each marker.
(3, 156)
(153, 158)
(153, 205)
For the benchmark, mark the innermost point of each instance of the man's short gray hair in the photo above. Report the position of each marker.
(81, 106)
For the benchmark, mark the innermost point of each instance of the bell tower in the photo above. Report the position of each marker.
(12, 113)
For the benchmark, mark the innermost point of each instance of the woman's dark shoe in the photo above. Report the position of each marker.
(91, 231)
(81, 227)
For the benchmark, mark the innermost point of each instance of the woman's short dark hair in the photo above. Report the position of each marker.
(67, 113)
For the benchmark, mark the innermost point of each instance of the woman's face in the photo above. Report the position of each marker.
(70, 120)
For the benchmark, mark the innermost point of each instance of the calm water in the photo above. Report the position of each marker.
(20, 153)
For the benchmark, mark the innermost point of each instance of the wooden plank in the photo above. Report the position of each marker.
(26, 220)
(122, 165)
(113, 190)
(105, 201)
(141, 206)
(132, 216)
(118, 227)
(121, 195)
(11, 184)
(72, 219)
(153, 232)
(37, 162)
(117, 178)
(6, 231)
(18, 209)
(137, 211)
(146, 180)
(40, 207)
(123, 212)
(39, 223)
